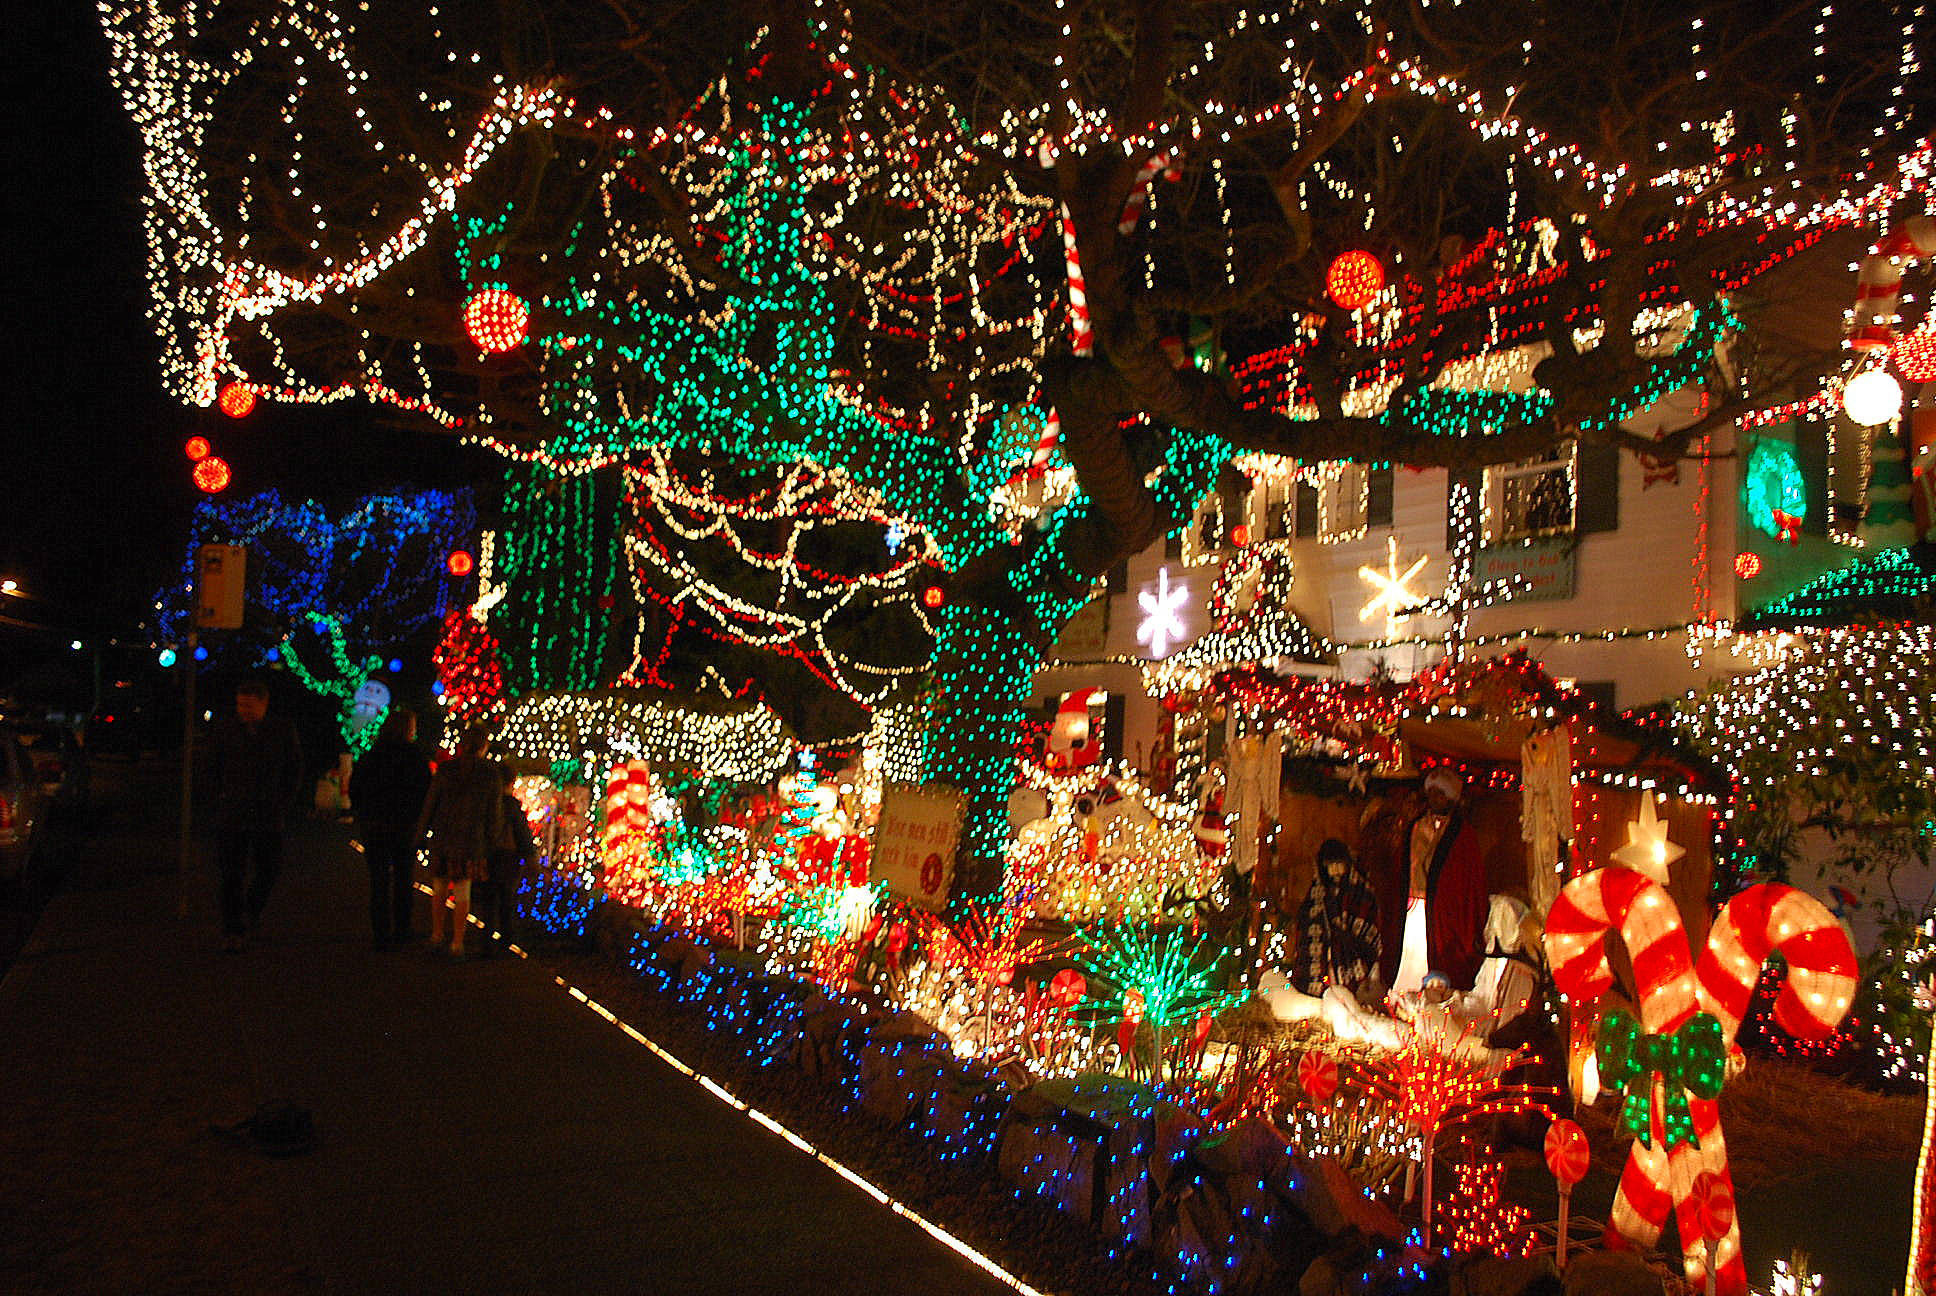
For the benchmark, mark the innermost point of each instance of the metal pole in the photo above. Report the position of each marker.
(187, 774)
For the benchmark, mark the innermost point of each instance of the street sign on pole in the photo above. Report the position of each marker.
(220, 576)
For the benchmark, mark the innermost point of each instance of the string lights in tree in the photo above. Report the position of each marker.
(836, 269)
(378, 568)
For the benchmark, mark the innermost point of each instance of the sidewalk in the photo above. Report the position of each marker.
(479, 1130)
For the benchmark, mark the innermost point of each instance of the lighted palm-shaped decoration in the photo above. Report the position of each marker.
(1155, 977)
(1432, 1084)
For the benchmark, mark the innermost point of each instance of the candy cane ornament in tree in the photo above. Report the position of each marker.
(1878, 283)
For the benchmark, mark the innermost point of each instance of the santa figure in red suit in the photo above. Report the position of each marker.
(1445, 911)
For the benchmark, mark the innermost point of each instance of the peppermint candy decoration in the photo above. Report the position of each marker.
(1567, 1154)
(1317, 1075)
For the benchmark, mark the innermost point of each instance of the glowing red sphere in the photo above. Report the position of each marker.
(933, 596)
(497, 319)
(459, 563)
(1747, 565)
(212, 474)
(1240, 535)
(1354, 279)
(1916, 355)
(237, 400)
(196, 448)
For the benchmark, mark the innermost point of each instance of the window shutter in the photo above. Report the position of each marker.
(1114, 714)
(1118, 577)
(1173, 542)
(1476, 478)
(1811, 456)
(1597, 483)
(1378, 497)
(1307, 510)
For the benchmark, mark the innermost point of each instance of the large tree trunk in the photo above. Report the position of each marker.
(985, 660)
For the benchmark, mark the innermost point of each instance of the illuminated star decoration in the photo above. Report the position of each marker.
(1391, 589)
(1162, 626)
(1648, 850)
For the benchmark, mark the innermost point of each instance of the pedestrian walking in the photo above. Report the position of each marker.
(255, 774)
(515, 848)
(463, 818)
(387, 791)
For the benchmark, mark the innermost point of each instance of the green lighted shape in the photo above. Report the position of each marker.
(1774, 482)
(348, 676)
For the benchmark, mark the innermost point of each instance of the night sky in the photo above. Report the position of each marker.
(97, 489)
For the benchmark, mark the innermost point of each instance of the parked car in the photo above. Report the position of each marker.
(60, 762)
(22, 808)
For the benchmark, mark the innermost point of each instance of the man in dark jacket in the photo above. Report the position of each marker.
(255, 774)
(387, 794)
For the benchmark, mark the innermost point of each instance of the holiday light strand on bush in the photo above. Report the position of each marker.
(747, 743)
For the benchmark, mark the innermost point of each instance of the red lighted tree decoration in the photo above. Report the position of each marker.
(466, 659)
(1354, 279)
(212, 474)
(497, 320)
(237, 400)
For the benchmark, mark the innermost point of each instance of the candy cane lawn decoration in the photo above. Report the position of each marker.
(1673, 1061)
(628, 794)
(1765, 919)
(1879, 281)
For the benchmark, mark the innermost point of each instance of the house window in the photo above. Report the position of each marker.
(1213, 532)
(1342, 499)
(1533, 498)
(1279, 501)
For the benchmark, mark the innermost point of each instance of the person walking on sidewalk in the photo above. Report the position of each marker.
(255, 774)
(387, 791)
(514, 848)
(463, 816)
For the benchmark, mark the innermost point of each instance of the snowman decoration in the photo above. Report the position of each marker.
(369, 705)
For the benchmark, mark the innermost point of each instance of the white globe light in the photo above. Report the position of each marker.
(1872, 397)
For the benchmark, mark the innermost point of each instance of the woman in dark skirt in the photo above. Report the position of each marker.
(463, 817)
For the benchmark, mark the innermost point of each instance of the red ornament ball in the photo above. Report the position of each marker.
(237, 400)
(1240, 535)
(1916, 355)
(1747, 565)
(1354, 279)
(459, 563)
(196, 448)
(497, 319)
(212, 474)
(933, 596)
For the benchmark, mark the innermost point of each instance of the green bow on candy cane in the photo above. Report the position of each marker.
(1692, 1059)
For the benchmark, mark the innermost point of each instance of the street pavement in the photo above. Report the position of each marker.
(479, 1131)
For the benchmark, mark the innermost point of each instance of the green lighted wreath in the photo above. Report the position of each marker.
(1774, 485)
